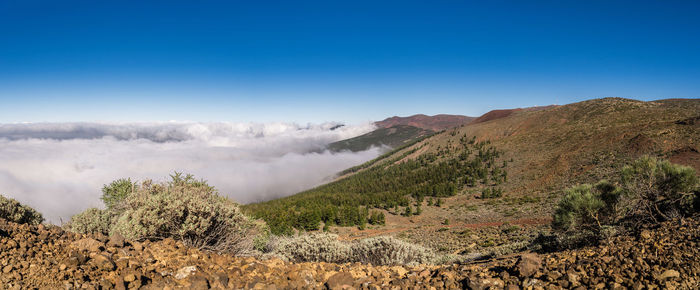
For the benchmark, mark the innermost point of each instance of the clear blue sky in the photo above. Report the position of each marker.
(335, 60)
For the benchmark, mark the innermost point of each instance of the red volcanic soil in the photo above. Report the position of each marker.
(495, 114)
(434, 123)
(498, 114)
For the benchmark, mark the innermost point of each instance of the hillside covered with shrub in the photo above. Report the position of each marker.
(533, 157)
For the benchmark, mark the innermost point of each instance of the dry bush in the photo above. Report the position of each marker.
(91, 221)
(385, 250)
(12, 210)
(312, 247)
(184, 209)
(188, 210)
(324, 247)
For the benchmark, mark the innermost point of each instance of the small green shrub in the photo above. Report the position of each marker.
(660, 189)
(407, 211)
(651, 191)
(509, 229)
(578, 208)
(92, 220)
(12, 210)
(377, 218)
(491, 193)
(117, 191)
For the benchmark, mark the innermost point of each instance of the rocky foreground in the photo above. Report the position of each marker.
(48, 257)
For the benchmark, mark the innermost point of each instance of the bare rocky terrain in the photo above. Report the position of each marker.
(47, 257)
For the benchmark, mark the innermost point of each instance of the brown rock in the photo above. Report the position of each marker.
(76, 258)
(668, 274)
(88, 244)
(103, 262)
(129, 277)
(185, 272)
(12, 244)
(340, 281)
(197, 282)
(7, 269)
(484, 283)
(528, 265)
(424, 273)
(400, 271)
(645, 234)
(116, 240)
(137, 246)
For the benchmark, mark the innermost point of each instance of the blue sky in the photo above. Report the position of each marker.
(349, 61)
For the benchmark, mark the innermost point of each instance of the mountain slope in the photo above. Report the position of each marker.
(392, 137)
(540, 152)
(398, 131)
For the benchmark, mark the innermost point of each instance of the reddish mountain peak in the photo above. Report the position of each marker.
(434, 123)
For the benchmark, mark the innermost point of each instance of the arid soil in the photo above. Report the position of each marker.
(48, 257)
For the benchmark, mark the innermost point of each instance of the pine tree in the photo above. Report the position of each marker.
(408, 212)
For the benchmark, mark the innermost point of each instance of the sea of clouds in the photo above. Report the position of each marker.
(59, 168)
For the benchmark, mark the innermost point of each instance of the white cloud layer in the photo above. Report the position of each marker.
(59, 168)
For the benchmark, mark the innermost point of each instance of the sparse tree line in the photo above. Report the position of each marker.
(391, 186)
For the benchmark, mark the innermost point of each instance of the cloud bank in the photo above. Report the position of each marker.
(59, 168)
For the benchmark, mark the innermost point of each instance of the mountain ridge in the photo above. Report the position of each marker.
(434, 123)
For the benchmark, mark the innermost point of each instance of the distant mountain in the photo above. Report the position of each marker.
(393, 137)
(433, 123)
(397, 131)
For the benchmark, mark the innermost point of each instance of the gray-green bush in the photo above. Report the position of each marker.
(12, 210)
(92, 221)
(183, 208)
(324, 247)
(311, 247)
(386, 250)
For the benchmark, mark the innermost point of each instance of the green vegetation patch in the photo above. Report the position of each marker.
(387, 185)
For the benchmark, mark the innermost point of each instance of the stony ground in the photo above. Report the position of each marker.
(48, 257)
